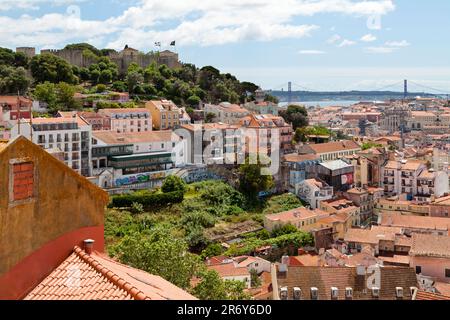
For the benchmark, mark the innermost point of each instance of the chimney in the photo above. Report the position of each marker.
(88, 246)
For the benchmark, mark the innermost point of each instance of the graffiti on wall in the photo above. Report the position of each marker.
(140, 178)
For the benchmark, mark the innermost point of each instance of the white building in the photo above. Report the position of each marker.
(313, 192)
(69, 135)
(138, 160)
(431, 184)
(128, 120)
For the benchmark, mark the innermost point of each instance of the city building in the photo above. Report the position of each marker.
(302, 218)
(296, 165)
(345, 208)
(332, 150)
(47, 209)
(416, 224)
(136, 160)
(97, 121)
(264, 126)
(213, 143)
(226, 112)
(337, 174)
(70, 135)
(401, 177)
(342, 283)
(128, 120)
(385, 241)
(165, 114)
(430, 256)
(314, 191)
(260, 106)
(431, 185)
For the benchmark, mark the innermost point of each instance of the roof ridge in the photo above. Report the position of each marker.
(134, 292)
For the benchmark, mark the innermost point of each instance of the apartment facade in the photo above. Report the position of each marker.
(400, 177)
(165, 114)
(72, 136)
(128, 120)
(135, 160)
(226, 112)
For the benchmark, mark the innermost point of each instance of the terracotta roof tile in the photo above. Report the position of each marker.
(324, 278)
(430, 245)
(96, 277)
(423, 295)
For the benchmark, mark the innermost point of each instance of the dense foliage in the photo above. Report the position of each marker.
(154, 238)
(297, 115)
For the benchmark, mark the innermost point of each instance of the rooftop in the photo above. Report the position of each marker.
(298, 214)
(415, 222)
(329, 147)
(324, 278)
(336, 165)
(112, 137)
(427, 245)
(96, 277)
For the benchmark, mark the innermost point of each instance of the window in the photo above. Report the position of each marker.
(447, 273)
(418, 269)
(22, 181)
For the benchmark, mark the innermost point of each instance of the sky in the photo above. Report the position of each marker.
(315, 44)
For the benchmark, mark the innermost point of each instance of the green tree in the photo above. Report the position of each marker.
(159, 252)
(297, 115)
(173, 183)
(134, 79)
(254, 279)
(46, 92)
(209, 118)
(252, 179)
(370, 145)
(48, 67)
(212, 287)
(13, 80)
(212, 250)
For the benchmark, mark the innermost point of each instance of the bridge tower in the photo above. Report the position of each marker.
(289, 93)
(405, 90)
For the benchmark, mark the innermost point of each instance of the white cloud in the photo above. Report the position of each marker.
(398, 44)
(192, 22)
(6, 5)
(346, 43)
(388, 47)
(368, 38)
(311, 52)
(335, 38)
(381, 50)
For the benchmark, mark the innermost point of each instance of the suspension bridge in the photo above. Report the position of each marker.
(405, 88)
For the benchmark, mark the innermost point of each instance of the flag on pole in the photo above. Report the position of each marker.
(173, 43)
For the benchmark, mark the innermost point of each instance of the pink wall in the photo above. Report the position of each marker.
(432, 267)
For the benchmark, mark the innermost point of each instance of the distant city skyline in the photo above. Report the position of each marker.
(321, 45)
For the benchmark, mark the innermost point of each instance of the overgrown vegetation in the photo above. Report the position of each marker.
(171, 240)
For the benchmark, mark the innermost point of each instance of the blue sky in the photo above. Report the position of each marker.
(317, 44)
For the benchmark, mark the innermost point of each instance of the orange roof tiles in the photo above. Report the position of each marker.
(334, 147)
(423, 295)
(229, 270)
(95, 277)
(428, 245)
(415, 222)
(296, 215)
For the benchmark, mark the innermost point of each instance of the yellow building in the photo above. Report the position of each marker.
(46, 209)
(302, 218)
(165, 114)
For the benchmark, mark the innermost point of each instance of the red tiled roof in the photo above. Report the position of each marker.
(95, 277)
(423, 295)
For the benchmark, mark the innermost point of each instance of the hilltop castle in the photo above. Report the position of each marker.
(122, 59)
